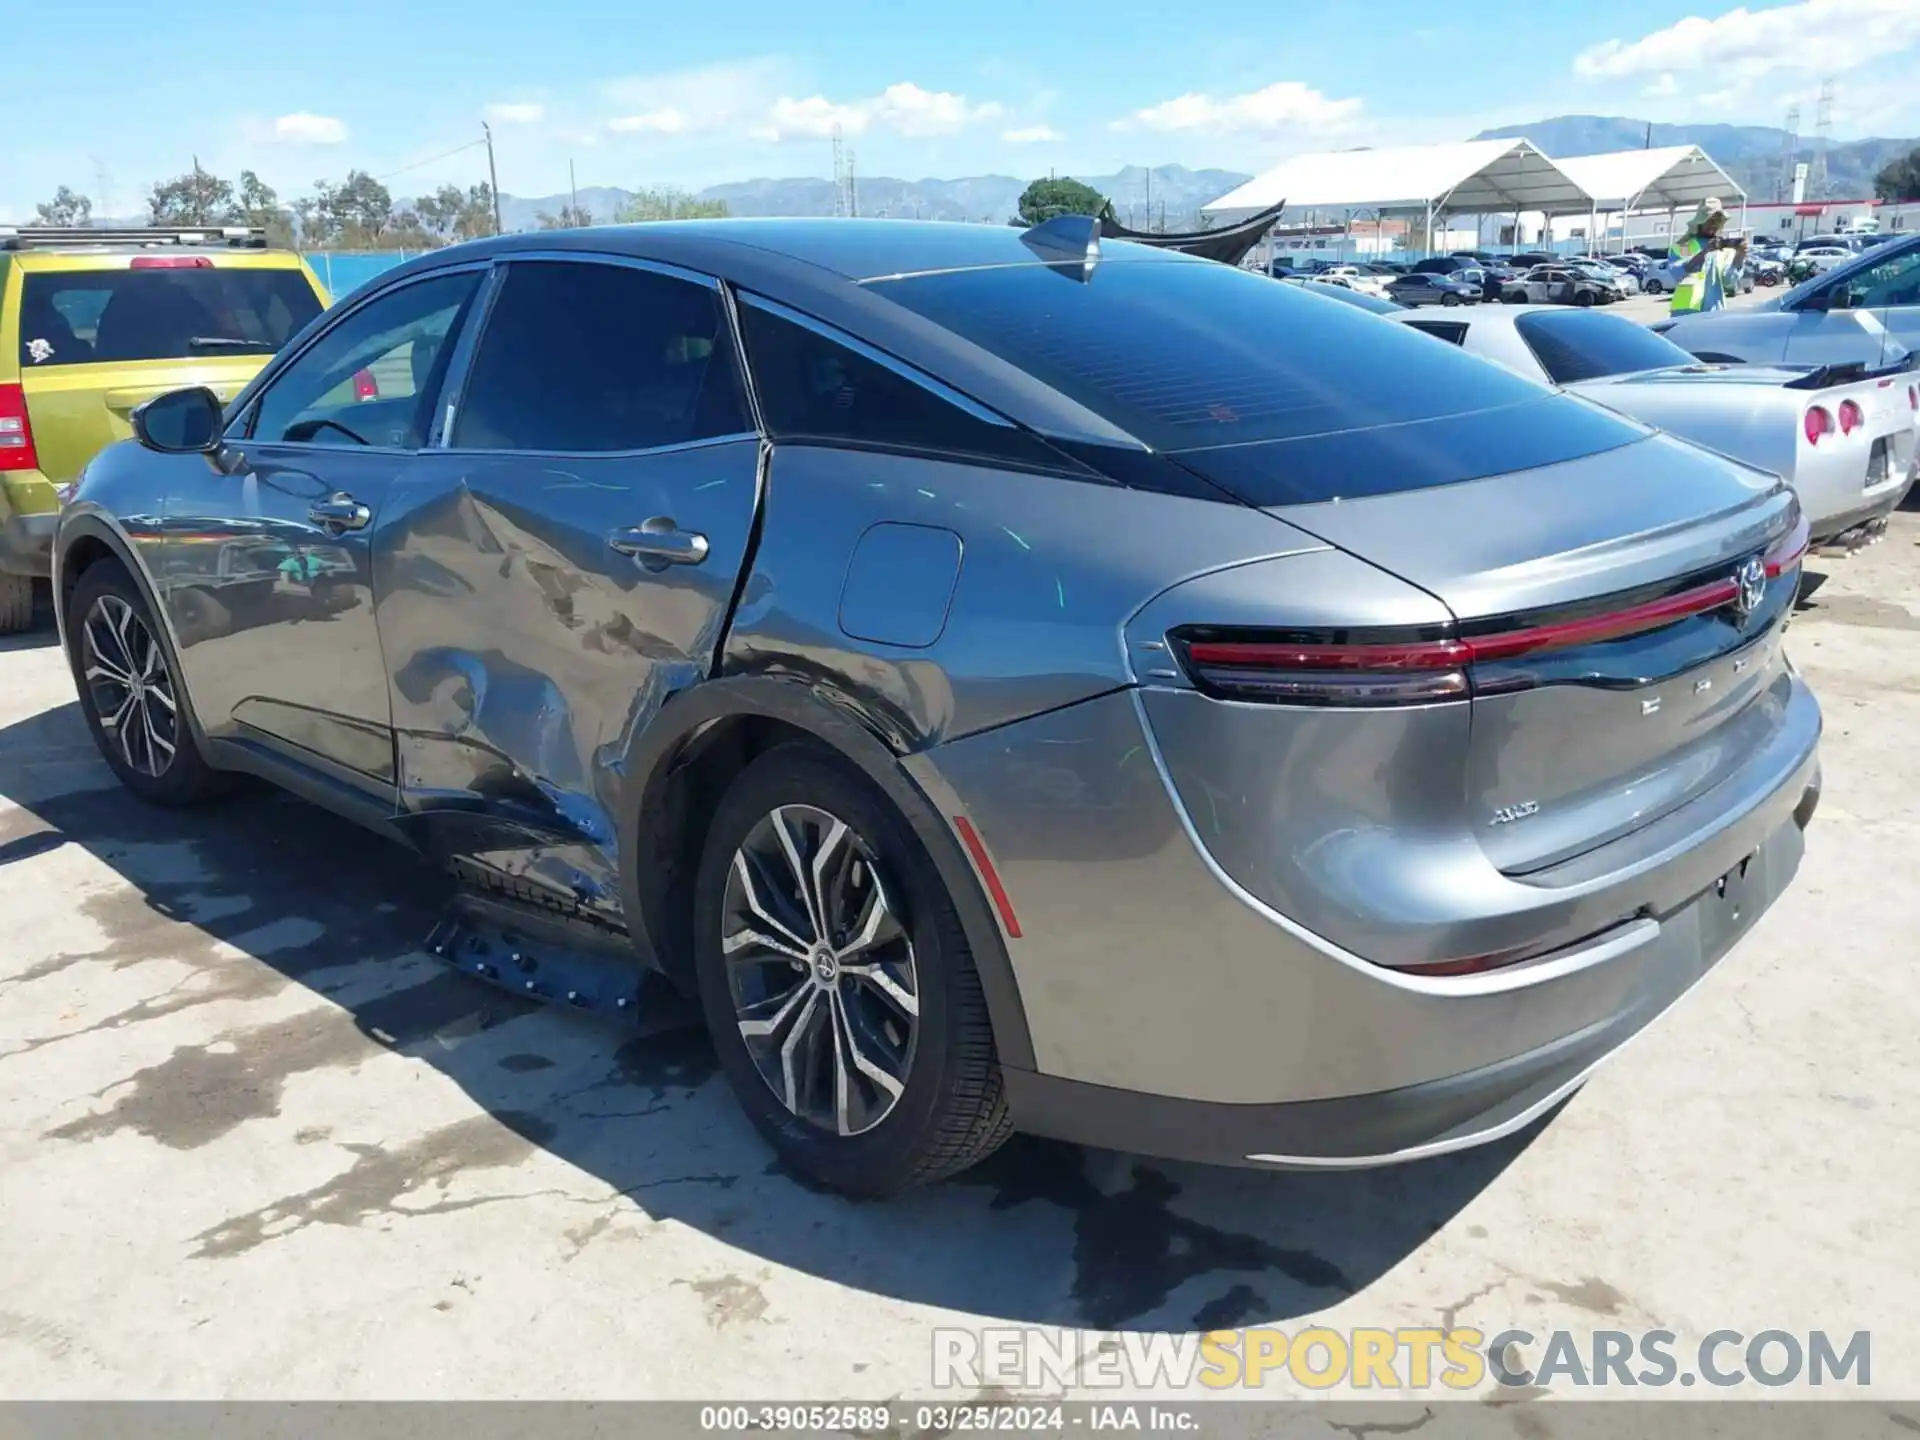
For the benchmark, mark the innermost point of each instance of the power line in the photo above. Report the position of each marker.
(470, 145)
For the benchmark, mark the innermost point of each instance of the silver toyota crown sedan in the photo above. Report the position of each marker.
(1017, 682)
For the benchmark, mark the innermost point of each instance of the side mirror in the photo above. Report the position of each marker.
(180, 422)
(1817, 301)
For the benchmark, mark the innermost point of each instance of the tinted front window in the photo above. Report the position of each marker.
(85, 317)
(1580, 345)
(1192, 354)
(371, 378)
(594, 358)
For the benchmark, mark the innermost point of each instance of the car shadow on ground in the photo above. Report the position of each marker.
(261, 892)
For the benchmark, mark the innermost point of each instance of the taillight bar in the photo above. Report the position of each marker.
(170, 262)
(1401, 671)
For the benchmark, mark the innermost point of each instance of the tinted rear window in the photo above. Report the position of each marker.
(88, 317)
(1580, 345)
(1191, 355)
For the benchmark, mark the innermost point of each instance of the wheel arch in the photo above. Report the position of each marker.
(680, 764)
(84, 540)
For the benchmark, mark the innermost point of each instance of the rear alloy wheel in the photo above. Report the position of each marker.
(130, 691)
(837, 982)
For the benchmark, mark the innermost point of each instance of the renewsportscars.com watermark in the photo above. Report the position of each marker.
(1317, 1357)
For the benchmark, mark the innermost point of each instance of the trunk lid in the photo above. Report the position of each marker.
(1583, 733)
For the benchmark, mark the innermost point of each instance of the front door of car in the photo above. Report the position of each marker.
(267, 570)
(565, 563)
(1872, 314)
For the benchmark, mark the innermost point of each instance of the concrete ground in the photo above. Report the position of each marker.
(253, 1143)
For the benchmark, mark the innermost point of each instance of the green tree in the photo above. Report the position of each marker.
(571, 217)
(1899, 179)
(355, 214)
(1053, 197)
(668, 202)
(66, 208)
(451, 213)
(195, 198)
(257, 204)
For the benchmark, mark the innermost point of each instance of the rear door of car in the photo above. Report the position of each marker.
(101, 333)
(565, 562)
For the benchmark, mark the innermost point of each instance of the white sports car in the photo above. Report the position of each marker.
(1847, 447)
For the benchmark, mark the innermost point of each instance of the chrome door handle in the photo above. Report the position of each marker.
(658, 543)
(342, 512)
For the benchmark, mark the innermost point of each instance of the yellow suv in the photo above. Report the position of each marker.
(92, 323)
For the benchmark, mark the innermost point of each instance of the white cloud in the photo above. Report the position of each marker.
(691, 102)
(1286, 104)
(665, 121)
(905, 108)
(302, 128)
(1032, 135)
(1663, 86)
(1742, 44)
(516, 112)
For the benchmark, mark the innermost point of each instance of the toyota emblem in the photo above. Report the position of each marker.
(1751, 578)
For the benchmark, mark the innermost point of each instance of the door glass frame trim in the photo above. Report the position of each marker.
(249, 414)
(453, 390)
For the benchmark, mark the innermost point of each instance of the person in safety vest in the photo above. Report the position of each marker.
(1710, 269)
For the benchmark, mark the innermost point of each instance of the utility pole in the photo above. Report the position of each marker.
(573, 191)
(853, 190)
(1822, 134)
(493, 179)
(839, 174)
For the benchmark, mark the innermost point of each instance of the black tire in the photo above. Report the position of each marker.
(1449, 298)
(950, 1111)
(1583, 298)
(177, 778)
(1649, 286)
(16, 603)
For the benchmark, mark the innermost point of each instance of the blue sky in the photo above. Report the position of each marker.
(108, 96)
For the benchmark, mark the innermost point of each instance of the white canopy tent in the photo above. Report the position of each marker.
(1471, 177)
(1671, 178)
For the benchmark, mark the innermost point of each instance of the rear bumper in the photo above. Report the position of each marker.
(29, 514)
(1472, 1107)
(1837, 522)
(1173, 1012)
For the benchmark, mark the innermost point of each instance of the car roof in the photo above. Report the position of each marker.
(858, 250)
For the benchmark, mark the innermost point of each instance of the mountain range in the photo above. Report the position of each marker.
(1757, 156)
(1172, 190)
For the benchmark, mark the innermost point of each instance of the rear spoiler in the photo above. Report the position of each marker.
(1821, 377)
(55, 237)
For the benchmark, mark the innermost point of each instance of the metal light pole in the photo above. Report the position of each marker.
(493, 179)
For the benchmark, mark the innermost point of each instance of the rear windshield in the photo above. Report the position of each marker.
(93, 316)
(1281, 396)
(1196, 354)
(1581, 345)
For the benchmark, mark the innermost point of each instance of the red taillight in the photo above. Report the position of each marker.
(170, 262)
(1790, 549)
(1817, 423)
(16, 433)
(1851, 417)
(977, 852)
(365, 387)
(1913, 397)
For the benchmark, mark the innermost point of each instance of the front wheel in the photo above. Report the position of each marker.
(838, 984)
(1449, 299)
(1650, 287)
(130, 691)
